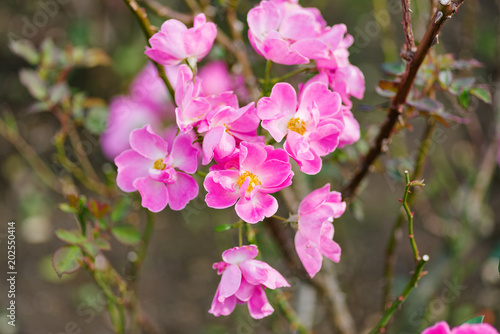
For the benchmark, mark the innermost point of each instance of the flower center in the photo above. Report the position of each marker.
(254, 180)
(159, 165)
(297, 125)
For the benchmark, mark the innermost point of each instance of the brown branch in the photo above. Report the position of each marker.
(396, 108)
(410, 47)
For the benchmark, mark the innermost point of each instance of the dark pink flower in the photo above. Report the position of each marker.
(247, 178)
(443, 328)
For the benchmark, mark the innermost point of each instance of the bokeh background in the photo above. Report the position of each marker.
(457, 220)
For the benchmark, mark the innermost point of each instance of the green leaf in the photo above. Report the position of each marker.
(26, 50)
(92, 249)
(459, 85)
(427, 104)
(393, 69)
(482, 93)
(121, 209)
(445, 78)
(475, 320)
(96, 120)
(102, 244)
(33, 83)
(65, 207)
(464, 99)
(126, 234)
(59, 92)
(223, 227)
(50, 53)
(67, 260)
(74, 237)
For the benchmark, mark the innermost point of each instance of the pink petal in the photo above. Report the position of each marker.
(184, 155)
(263, 19)
(299, 25)
(253, 272)
(222, 308)
(131, 166)
(258, 306)
(328, 247)
(311, 48)
(210, 141)
(351, 132)
(182, 191)
(310, 223)
(308, 161)
(327, 102)
(278, 50)
(273, 278)
(216, 184)
(154, 194)
(148, 144)
(257, 208)
(474, 329)
(230, 282)
(314, 199)
(310, 256)
(199, 40)
(273, 173)
(252, 155)
(439, 328)
(245, 291)
(238, 255)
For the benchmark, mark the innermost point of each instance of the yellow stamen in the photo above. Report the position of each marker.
(254, 180)
(159, 165)
(297, 125)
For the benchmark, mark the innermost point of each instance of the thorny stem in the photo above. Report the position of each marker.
(142, 17)
(410, 216)
(396, 108)
(410, 41)
(390, 257)
(389, 312)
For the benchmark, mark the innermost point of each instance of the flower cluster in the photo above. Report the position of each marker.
(443, 328)
(211, 128)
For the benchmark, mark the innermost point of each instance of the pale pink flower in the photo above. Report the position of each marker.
(315, 229)
(285, 32)
(351, 132)
(191, 106)
(258, 171)
(225, 127)
(175, 42)
(216, 79)
(157, 173)
(443, 328)
(347, 81)
(336, 42)
(312, 125)
(243, 281)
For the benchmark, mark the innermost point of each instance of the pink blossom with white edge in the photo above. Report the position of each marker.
(191, 106)
(226, 127)
(256, 171)
(443, 328)
(313, 239)
(157, 173)
(175, 42)
(285, 32)
(243, 281)
(312, 125)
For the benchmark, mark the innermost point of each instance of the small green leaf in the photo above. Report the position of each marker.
(464, 99)
(121, 209)
(393, 69)
(74, 237)
(445, 78)
(459, 85)
(96, 119)
(90, 248)
(67, 260)
(126, 234)
(65, 207)
(482, 93)
(475, 320)
(26, 50)
(33, 83)
(102, 244)
(59, 92)
(223, 227)
(427, 104)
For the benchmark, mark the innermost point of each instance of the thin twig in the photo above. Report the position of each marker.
(410, 47)
(166, 12)
(410, 215)
(396, 108)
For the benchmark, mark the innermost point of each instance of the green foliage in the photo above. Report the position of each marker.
(73, 237)
(67, 259)
(475, 320)
(126, 234)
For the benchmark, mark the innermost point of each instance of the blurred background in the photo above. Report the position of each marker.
(457, 212)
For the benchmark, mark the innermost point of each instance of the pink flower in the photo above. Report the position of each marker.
(225, 127)
(217, 79)
(348, 81)
(443, 328)
(314, 236)
(247, 180)
(175, 42)
(286, 33)
(243, 281)
(191, 106)
(312, 125)
(155, 172)
(336, 42)
(351, 132)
